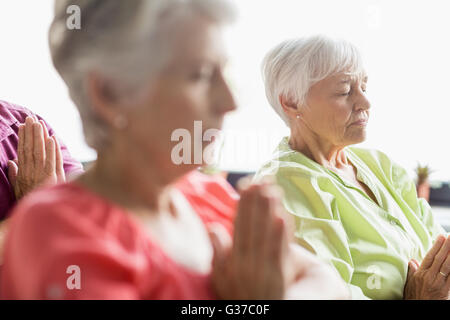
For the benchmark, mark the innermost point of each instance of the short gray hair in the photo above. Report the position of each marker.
(123, 41)
(293, 66)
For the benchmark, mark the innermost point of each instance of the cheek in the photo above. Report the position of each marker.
(341, 113)
(331, 115)
(177, 108)
(154, 122)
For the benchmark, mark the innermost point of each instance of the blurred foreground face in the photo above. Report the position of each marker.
(190, 88)
(337, 109)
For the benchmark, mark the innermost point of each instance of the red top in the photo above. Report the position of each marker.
(67, 225)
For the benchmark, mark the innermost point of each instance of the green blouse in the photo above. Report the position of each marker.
(368, 243)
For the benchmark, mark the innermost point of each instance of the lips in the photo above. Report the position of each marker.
(361, 122)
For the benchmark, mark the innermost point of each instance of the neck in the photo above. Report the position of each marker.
(130, 181)
(323, 152)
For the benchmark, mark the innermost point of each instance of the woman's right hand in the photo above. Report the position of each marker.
(253, 265)
(430, 280)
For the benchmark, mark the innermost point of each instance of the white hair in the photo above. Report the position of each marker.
(126, 42)
(293, 66)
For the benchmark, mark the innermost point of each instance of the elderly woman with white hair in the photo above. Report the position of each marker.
(135, 226)
(354, 208)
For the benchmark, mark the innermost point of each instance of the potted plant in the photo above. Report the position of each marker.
(423, 183)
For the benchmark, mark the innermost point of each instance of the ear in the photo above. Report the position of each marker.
(290, 108)
(103, 100)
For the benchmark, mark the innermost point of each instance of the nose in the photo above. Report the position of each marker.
(361, 102)
(224, 98)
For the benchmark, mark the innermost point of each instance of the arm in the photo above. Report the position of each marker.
(316, 280)
(406, 187)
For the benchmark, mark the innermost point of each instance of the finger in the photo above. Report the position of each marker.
(38, 147)
(445, 269)
(50, 157)
(28, 167)
(20, 145)
(221, 242)
(12, 173)
(260, 222)
(274, 273)
(261, 219)
(44, 126)
(277, 236)
(429, 258)
(59, 165)
(242, 222)
(447, 285)
(243, 184)
(412, 268)
(416, 263)
(440, 257)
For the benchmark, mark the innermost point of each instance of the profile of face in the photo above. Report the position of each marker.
(337, 109)
(191, 87)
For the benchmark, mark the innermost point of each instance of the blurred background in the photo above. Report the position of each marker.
(405, 45)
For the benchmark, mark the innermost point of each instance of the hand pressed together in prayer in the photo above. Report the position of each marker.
(430, 280)
(39, 159)
(261, 262)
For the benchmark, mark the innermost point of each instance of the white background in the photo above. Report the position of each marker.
(405, 45)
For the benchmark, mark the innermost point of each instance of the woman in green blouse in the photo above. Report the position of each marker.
(353, 207)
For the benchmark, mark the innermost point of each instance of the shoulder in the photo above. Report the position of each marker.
(56, 227)
(68, 219)
(63, 210)
(212, 197)
(12, 113)
(308, 188)
(197, 183)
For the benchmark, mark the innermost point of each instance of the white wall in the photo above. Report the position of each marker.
(27, 76)
(405, 45)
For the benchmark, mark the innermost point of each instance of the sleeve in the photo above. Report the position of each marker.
(406, 187)
(317, 224)
(67, 257)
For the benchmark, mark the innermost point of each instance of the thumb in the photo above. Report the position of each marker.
(13, 169)
(221, 242)
(412, 268)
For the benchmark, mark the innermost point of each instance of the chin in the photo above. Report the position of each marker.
(357, 138)
(361, 139)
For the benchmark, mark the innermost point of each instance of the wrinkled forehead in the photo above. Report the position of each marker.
(198, 39)
(348, 77)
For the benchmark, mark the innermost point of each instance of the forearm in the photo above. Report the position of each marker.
(315, 279)
(318, 283)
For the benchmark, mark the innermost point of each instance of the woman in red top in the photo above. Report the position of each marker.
(141, 73)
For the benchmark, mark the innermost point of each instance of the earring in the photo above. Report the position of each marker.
(120, 122)
(298, 117)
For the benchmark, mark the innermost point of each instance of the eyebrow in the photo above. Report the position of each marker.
(350, 79)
